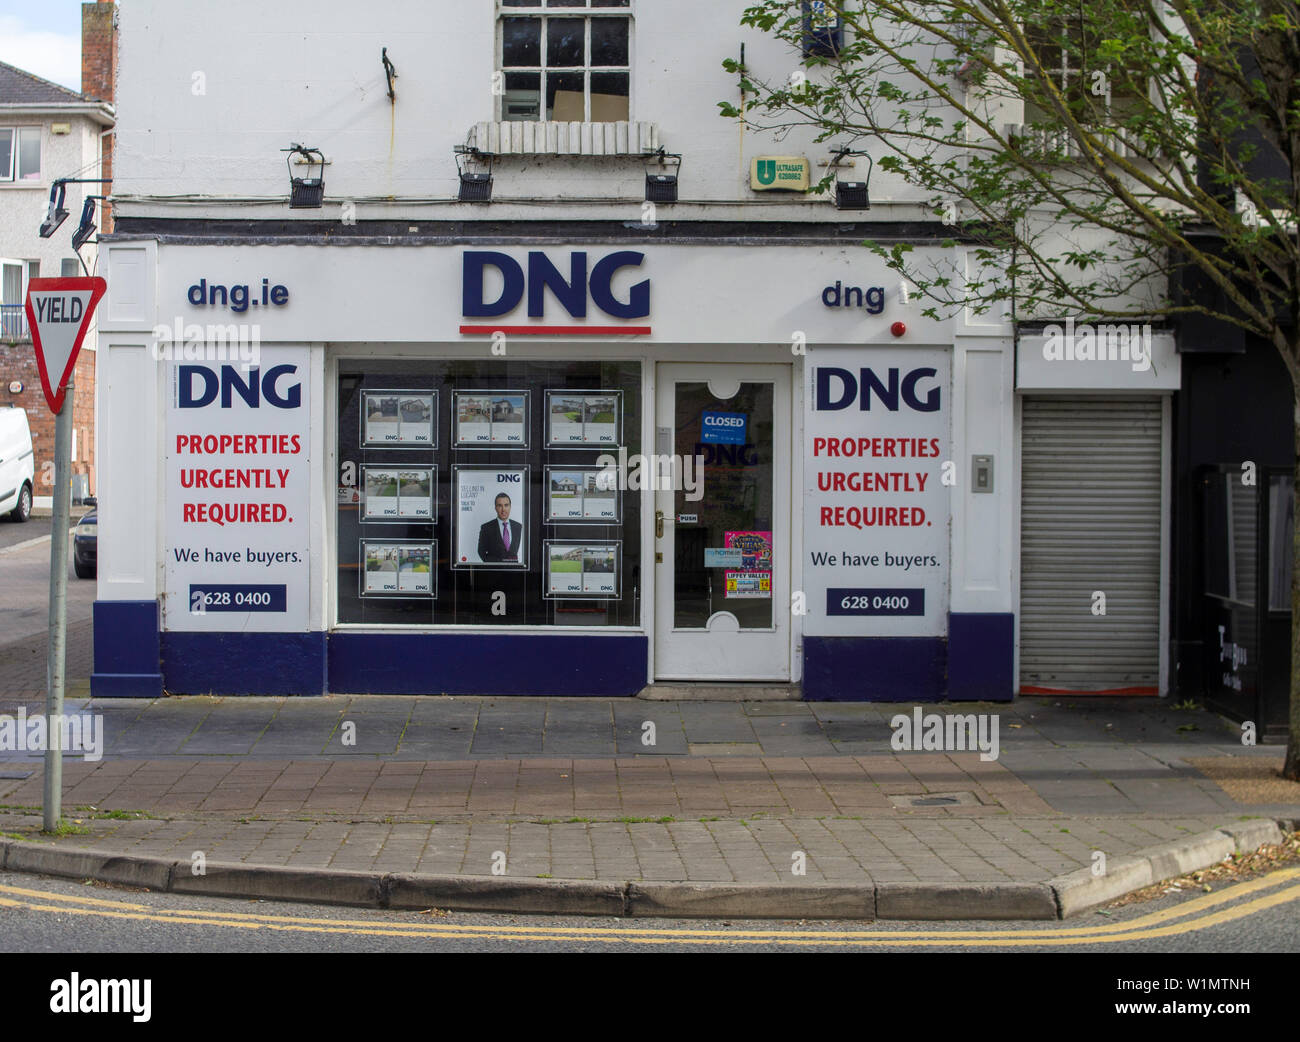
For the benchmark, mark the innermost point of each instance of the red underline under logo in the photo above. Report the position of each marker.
(557, 330)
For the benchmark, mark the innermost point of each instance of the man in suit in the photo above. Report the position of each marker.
(500, 540)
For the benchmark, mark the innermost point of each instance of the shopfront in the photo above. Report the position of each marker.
(497, 468)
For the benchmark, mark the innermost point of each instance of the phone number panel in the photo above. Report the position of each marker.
(875, 602)
(235, 597)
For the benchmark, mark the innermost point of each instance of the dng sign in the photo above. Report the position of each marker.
(586, 283)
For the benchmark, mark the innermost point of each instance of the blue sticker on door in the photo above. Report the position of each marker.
(723, 428)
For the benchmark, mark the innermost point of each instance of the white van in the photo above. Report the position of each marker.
(17, 463)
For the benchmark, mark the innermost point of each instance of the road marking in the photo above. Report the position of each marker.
(1198, 914)
(25, 544)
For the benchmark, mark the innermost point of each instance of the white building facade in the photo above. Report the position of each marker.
(561, 441)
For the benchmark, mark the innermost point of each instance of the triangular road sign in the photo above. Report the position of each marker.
(59, 313)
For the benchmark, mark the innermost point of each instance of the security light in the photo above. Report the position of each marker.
(306, 193)
(475, 185)
(57, 213)
(852, 195)
(87, 226)
(662, 188)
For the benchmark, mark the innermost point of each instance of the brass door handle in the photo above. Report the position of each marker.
(659, 524)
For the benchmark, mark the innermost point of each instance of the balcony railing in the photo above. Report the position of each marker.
(13, 322)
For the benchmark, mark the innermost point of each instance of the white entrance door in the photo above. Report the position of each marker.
(722, 535)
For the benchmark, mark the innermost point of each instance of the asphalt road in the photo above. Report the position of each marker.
(25, 585)
(51, 915)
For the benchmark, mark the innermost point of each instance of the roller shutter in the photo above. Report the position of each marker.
(1090, 520)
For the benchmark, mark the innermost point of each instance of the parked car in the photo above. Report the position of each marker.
(17, 463)
(85, 546)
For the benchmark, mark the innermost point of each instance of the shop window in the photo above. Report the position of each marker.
(488, 493)
(567, 60)
(20, 153)
(1097, 93)
(1281, 541)
(1230, 513)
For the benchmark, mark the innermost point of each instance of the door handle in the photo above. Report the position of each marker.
(659, 524)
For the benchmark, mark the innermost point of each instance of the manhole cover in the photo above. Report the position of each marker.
(935, 799)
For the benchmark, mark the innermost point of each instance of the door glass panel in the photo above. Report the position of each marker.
(731, 461)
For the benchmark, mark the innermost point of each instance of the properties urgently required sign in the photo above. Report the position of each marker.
(238, 472)
(876, 510)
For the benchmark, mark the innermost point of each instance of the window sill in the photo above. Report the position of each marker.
(628, 138)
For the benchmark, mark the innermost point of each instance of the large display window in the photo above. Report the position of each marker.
(474, 493)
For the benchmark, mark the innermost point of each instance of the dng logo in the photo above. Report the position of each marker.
(542, 275)
(509, 477)
(229, 383)
(837, 388)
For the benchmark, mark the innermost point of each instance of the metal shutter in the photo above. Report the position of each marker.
(1090, 520)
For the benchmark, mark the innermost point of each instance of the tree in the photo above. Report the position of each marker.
(1082, 152)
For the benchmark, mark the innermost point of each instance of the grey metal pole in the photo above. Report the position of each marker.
(58, 613)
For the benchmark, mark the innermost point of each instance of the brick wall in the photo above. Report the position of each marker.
(99, 77)
(18, 362)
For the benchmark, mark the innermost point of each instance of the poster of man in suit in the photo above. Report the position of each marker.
(491, 517)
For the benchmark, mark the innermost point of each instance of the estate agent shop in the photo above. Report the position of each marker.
(547, 470)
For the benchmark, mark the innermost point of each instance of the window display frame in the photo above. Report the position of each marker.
(615, 393)
(367, 519)
(398, 595)
(519, 513)
(586, 544)
(457, 442)
(549, 519)
(364, 426)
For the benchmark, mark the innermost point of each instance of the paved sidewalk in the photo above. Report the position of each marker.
(511, 793)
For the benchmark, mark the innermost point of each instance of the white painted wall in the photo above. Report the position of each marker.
(210, 92)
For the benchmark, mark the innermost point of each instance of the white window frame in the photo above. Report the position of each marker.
(552, 9)
(10, 175)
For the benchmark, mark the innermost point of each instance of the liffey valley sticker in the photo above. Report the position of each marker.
(238, 469)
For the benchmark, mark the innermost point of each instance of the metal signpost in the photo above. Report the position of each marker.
(59, 313)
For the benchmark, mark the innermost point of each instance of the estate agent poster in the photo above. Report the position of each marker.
(399, 493)
(238, 474)
(581, 494)
(397, 569)
(491, 419)
(580, 418)
(582, 570)
(877, 430)
(401, 419)
(491, 512)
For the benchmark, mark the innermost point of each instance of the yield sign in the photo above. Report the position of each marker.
(58, 314)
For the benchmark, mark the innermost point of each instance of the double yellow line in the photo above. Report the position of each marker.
(1197, 914)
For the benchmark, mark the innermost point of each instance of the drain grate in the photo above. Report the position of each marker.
(15, 775)
(935, 799)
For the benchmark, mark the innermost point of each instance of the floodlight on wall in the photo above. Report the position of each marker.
(306, 193)
(475, 185)
(57, 212)
(662, 188)
(852, 195)
(86, 228)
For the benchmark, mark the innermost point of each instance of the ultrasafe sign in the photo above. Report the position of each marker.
(876, 507)
(237, 553)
